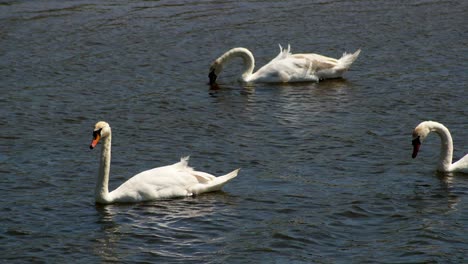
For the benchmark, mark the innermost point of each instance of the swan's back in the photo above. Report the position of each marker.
(158, 183)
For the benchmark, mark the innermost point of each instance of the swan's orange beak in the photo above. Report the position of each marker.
(416, 145)
(96, 138)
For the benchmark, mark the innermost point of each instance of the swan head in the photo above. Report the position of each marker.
(215, 69)
(419, 134)
(101, 130)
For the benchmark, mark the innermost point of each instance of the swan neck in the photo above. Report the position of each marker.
(247, 57)
(446, 149)
(102, 183)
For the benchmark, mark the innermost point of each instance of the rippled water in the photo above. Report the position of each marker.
(327, 174)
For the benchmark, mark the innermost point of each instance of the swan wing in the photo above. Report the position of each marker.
(176, 180)
(321, 62)
(158, 183)
(286, 69)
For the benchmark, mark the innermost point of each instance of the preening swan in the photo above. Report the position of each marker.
(446, 150)
(286, 67)
(176, 180)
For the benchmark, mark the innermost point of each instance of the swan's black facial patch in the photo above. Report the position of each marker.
(97, 133)
(212, 77)
(416, 145)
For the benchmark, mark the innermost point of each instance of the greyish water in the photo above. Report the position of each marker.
(327, 174)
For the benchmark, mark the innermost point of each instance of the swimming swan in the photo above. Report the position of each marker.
(286, 67)
(446, 151)
(176, 180)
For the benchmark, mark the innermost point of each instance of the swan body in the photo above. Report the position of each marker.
(176, 180)
(446, 152)
(285, 67)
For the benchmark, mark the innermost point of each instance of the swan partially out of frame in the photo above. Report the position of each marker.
(286, 67)
(176, 180)
(446, 151)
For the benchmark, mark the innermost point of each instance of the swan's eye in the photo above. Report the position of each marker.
(416, 141)
(97, 133)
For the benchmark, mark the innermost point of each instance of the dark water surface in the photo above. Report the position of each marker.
(327, 174)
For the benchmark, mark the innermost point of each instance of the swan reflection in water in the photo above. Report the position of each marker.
(454, 185)
(160, 225)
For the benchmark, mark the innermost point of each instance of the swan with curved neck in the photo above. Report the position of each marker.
(285, 67)
(176, 180)
(446, 150)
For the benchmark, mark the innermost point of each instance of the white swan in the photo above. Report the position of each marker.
(286, 67)
(175, 180)
(446, 151)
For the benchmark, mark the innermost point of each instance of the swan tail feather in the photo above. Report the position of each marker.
(183, 164)
(284, 53)
(347, 59)
(214, 185)
(185, 160)
(203, 177)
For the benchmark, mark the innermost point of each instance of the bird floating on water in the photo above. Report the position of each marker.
(285, 67)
